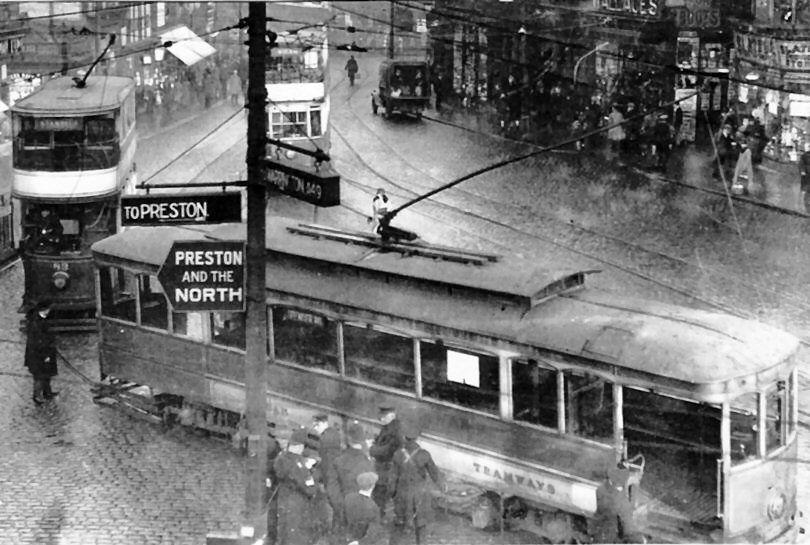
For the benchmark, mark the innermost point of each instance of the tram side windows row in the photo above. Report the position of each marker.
(378, 356)
(461, 377)
(589, 406)
(305, 338)
(534, 393)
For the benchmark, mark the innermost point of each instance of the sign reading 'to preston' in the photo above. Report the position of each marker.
(200, 275)
(184, 208)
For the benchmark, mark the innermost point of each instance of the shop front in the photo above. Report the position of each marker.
(772, 83)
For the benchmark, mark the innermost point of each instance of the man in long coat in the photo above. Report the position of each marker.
(296, 490)
(345, 469)
(382, 450)
(40, 352)
(412, 470)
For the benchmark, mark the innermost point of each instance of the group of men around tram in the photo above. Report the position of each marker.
(322, 492)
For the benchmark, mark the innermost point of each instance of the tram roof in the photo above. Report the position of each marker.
(60, 96)
(718, 354)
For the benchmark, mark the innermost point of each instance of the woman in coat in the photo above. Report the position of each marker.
(40, 352)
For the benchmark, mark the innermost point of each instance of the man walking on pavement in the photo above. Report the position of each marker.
(346, 468)
(804, 171)
(234, 88)
(382, 450)
(363, 525)
(351, 69)
(412, 470)
(40, 351)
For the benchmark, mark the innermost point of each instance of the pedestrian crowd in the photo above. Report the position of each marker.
(330, 488)
(165, 94)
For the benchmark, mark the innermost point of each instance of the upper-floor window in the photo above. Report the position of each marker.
(296, 123)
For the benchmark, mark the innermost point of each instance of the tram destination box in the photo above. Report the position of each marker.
(320, 186)
(185, 208)
(200, 275)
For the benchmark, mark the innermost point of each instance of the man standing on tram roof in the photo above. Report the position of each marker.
(380, 205)
(382, 450)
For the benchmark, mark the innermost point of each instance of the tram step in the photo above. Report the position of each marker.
(131, 410)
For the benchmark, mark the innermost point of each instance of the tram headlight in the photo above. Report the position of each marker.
(60, 280)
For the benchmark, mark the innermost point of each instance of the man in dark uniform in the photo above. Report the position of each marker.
(614, 514)
(363, 526)
(726, 150)
(345, 468)
(296, 490)
(382, 450)
(804, 171)
(328, 442)
(40, 351)
(411, 472)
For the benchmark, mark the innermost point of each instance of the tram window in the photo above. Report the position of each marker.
(744, 428)
(791, 399)
(775, 415)
(589, 406)
(305, 338)
(154, 305)
(188, 324)
(117, 293)
(461, 377)
(315, 122)
(228, 329)
(288, 124)
(534, 393)
(378, 357)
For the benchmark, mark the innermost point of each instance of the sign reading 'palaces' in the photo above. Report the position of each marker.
(768, 51)
(649, 8)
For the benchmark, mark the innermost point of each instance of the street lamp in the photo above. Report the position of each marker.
(602, 45)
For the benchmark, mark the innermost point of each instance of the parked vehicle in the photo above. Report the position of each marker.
(404, 88)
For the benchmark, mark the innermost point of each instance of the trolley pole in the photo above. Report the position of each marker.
(391, 31)
(256, 327)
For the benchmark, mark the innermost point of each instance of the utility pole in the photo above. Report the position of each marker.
(391, 32)
(256, 327)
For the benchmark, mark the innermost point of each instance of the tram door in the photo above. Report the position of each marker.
(680, 441)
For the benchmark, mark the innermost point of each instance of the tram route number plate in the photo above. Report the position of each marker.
(320, 187)
(201, 275)
(182, 208)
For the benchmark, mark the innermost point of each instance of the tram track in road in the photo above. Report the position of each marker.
(650, 259)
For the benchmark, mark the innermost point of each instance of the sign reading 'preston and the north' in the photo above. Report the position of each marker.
(200, 275)
(188, 208)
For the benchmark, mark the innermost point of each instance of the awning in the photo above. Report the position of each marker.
(186, 46)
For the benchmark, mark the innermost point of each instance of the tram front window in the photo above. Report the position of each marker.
(65, 143)
(460, 377)
(744, 428)
(117, 293)
(52, 228)
(775, 416)
(589, 406)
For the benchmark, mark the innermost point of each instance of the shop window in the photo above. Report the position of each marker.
(775, 415)
(378, 357)
(589, 406)
(228, 329)
(188, 324)
(534, 393)
(462, 377)
(744, 428)
(154, 305)
(305, 338)
(117, 293)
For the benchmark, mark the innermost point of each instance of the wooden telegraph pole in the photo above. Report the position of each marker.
(256, 328)
(391, 31)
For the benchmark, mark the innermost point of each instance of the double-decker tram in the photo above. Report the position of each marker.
(297, 77)
(527, 383)
(73, 156)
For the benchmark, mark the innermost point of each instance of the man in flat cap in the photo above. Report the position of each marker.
(413, 469)
(363, 526)
(387, 442)
(614, 521)
(347, 466)
(40, 351)
(296, 490)
(328, 444)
